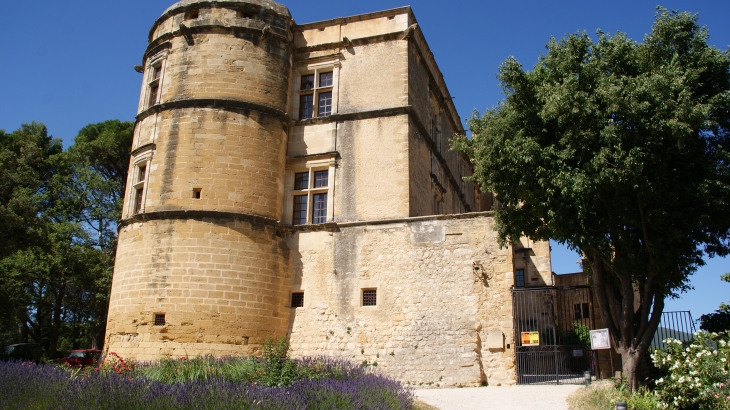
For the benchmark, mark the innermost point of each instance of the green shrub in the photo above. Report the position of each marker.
(696, 374)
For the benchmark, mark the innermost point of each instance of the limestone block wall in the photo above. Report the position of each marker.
(443, 314)
(372, 177)
(222, 285)
(235, 158)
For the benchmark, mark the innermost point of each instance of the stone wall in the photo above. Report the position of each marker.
(222, 285)
(443, 314)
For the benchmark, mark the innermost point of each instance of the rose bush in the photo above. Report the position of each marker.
(696, 374)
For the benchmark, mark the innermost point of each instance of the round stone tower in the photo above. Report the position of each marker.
(201, 267)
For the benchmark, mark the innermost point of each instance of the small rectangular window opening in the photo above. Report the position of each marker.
(160, 320)
(196, 193)
(297, 299)
(191, 15)
(586, 311)
(142, 173)
(156, 72)
(369, 297)
(320, 179)
(325, 79)
(138, 200)
(300, 210)
(153, 94)
(319, 209)
(307, 82)
(306, 106)
(301, 180)
(324, 105)
(520, 278)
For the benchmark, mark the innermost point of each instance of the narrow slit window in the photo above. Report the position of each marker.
(156, 72)
(319, 210)
(153, 94)
(300, 210)
(520, 278)
(369, 297)
(138, 200)
(586, 311)
(160, 320)
(297, 299)
(142, 173)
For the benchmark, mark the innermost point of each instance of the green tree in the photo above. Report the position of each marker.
(58, 215)
(618, 149)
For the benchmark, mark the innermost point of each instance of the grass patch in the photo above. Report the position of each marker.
(604, 396)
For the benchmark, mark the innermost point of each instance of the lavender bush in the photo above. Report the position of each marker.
(333, 385)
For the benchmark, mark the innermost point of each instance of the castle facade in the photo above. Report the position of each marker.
(296, 181)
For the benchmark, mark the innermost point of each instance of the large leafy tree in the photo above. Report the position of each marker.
(58, 232)
(618, 149)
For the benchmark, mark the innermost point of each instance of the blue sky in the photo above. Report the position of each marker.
(70, 63)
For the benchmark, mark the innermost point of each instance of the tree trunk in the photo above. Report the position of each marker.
(630, 362)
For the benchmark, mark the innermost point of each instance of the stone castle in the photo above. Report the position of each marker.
(296, 181)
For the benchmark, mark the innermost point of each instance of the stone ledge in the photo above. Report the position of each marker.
(232, 105)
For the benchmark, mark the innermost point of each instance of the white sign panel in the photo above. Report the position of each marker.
(600, 339)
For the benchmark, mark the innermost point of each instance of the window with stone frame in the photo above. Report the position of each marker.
(315, 93)
(369, 297)
(155, 76)
(297, 299)
(140, 180)
(520, 278)
(310, 196)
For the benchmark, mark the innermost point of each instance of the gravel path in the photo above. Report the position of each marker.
(528, 397)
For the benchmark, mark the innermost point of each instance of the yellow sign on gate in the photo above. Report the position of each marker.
(530, 338)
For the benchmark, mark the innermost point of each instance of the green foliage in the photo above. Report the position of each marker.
(618, 149)
(697, 373)
(58, 213)
(606, 397)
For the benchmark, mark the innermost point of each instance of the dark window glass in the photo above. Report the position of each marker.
(520, 278)
(157, 71)
(320, 179)
(153, 94)
(369, 297)
(142, 172)
(138, 200)
(325, 80)
(307, 82)
(325, 105)
(306, 106)
(576, 309)
(159, 320)
(586, 311)
(319, 211)
(301, 180)
(300, 210)
(297, 299)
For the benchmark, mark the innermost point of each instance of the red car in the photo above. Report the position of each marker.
(83, 357)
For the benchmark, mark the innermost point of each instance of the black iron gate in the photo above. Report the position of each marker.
(551, 340)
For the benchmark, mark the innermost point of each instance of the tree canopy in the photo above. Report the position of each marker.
(58, 214)
(618, 149)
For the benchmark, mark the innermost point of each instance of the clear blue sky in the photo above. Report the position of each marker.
(70, 63)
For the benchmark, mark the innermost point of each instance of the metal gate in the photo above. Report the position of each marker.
(550, 340)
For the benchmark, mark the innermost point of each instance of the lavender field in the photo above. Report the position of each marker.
(201, 383)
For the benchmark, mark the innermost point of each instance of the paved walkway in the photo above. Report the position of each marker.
(527, 397)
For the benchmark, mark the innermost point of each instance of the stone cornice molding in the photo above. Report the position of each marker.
(231, 105)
